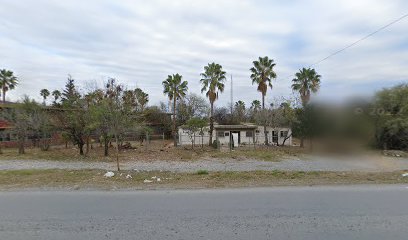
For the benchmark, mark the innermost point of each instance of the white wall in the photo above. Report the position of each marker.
(184, 138)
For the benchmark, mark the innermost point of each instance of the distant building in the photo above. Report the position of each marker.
(238, 135)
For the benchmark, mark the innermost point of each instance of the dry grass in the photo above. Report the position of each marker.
(156, 150)
(94, 179)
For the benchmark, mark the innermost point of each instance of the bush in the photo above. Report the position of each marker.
(202, 172)
(216, 144)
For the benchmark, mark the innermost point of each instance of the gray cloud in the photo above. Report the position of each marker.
(141, 42)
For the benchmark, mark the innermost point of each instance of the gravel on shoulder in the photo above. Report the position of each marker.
(305, 163)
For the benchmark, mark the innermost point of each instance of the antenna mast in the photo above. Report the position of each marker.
(232, 96)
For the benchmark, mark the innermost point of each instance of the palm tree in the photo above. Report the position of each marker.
(212, 81)
(307, 81)
(44, 93)
(256, 105)
(7, 82)
(240, 110)
(57, 95)
(263, 74)
(142, 98)
(175, 89)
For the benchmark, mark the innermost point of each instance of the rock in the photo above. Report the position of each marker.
(158, 179)
(109, 174)
(405, 175)
(128, 176)
(76, 187)
(147, 181)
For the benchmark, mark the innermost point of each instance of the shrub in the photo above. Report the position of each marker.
(202, 172)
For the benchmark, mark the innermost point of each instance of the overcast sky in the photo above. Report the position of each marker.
(141, 42)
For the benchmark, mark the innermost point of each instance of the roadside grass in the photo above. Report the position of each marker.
(157, 150)
(202, 172)
(94, 179)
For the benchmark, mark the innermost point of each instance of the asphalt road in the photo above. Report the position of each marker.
(359, 212)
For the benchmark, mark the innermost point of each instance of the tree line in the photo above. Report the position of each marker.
(113, 110)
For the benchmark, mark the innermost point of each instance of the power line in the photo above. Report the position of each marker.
(360, 40)
(356, 42)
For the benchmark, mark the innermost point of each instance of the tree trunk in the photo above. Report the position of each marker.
(87, 145)
(117, 152)
(286, 138)
(81, 149)
(106, 146)
(174, 123)
(192, 142)
(4, 95)
(311, 144)
(211, 123)
(302, 144)
(263, 109)
(21, 147)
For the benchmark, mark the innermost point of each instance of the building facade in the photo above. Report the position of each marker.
(238, 135)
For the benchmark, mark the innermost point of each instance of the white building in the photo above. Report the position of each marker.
(238, 135)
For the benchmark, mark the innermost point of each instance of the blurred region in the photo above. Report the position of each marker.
(377, 123)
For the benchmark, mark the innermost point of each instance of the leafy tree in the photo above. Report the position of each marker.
(175, 89)
(72, 117)
(44, 93)
(212, 82)
(262, 74)
(192, 105)
(129, 98)
(307, 81)
(24, 118)
(120, 116)
(195, 126)
(390, 114)
(7, 82)
(223, 116)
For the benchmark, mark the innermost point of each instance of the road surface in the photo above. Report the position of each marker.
(352, 212)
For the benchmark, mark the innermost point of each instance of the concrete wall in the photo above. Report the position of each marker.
(259, 137)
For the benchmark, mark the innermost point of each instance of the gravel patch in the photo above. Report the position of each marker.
(306, 163)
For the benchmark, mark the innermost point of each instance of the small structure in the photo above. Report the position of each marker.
(239, 135)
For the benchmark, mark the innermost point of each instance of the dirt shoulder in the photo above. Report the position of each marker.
(55, 179)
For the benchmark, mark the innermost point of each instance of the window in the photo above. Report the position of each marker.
(284, 134)
(249, 134)
(226, 134)
(275, 136)
(257, 131)
(220, 134)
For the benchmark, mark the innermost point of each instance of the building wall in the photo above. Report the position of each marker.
(258, 137)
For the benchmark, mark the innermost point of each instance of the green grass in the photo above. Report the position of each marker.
(202, 172)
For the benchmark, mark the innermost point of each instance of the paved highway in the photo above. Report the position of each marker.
(349, 212)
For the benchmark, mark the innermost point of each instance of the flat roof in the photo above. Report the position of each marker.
(235, 127)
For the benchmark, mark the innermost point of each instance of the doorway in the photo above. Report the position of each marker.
(235, 138)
